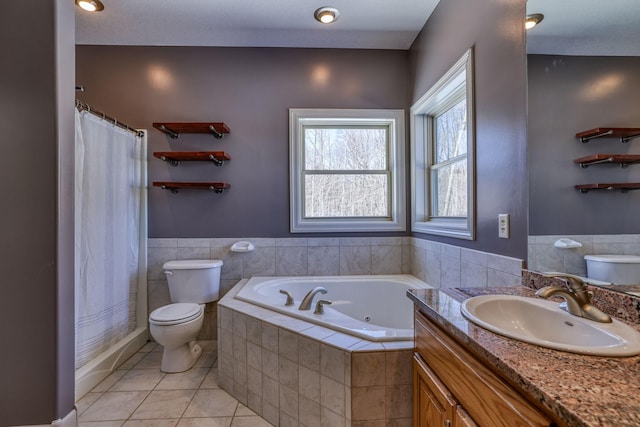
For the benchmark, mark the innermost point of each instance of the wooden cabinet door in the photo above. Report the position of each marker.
(434, 406)
(487, 398)
(462, 419)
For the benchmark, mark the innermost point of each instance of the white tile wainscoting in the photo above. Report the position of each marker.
(440, 265)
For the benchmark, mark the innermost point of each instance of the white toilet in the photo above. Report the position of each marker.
(192, 283)
(617, 269)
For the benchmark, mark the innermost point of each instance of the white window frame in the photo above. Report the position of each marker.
(394, 120)
(459, 77)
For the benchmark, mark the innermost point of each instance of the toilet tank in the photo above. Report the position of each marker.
(617, 269)
(195, 281)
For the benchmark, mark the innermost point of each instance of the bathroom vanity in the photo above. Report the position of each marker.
(465, 375)
(454, 384)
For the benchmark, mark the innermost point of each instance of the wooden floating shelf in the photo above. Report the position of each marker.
(623, 134)
(217, 129)
(175, 187)
(623, 160)
(623, 187)
(175, 157)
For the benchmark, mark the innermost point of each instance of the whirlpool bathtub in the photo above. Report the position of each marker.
(375, 308)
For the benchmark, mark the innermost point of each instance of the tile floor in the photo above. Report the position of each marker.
(138, 394)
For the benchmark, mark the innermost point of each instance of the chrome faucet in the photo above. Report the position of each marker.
(578, 299)
(320, 306)
(306, 302)
(289, 300)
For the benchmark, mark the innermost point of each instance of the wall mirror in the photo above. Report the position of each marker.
(583, 73)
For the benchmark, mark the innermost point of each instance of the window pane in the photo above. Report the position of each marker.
(346, 196)
(450, 190)
(451, 132)
(337, 148)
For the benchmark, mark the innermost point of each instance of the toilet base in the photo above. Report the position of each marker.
(181, 358)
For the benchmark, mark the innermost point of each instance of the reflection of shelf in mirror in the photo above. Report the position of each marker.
(175, 187)
(175, 157)
(623, 134)
(217, 129)
(623, 187)
(623, 160)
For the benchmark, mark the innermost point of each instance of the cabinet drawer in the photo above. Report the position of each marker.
(489, 401)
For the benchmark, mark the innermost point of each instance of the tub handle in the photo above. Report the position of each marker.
(168, 273)
(320, 306)
(289, 297)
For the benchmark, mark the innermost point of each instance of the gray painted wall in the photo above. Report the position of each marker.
(249, 89)
(495, 30)
(567, 95)
(36, 117)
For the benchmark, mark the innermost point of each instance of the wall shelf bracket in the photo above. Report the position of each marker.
(174, 129)
(585, 165)
(175, 187)
(164, 129)
(216, 134)
(623, 134)
(626, 139)
(585, 139)
(176, 157)
(218, 161)
(624, 160)
(622, 187)
(172, 162)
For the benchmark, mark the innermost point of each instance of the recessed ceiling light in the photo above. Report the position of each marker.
(326, 14)
(533, 20)
(90, 5)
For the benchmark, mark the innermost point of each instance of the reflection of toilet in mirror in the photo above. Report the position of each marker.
(192, 284)
(616, 269)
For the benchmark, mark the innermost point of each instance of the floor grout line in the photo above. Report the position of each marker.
(209, 368)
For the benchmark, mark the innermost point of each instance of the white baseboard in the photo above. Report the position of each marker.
(70, 420)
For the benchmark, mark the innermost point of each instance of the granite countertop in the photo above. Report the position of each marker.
(580, 390)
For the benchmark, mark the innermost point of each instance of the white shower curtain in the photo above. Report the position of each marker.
(109, 187)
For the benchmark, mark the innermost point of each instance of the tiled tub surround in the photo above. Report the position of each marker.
(579, 390)
(292, 372)
(544, 256)
(437, 264)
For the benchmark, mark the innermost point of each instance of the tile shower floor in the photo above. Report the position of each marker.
(138, 394)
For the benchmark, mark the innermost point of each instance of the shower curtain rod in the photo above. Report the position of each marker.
(82, 106)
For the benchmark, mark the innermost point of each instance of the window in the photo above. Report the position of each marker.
(346, 170)
(442, 153)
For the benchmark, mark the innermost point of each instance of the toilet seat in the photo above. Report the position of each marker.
(174, 314)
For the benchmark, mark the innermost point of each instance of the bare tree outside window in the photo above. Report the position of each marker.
(346, 172)
(449, 172)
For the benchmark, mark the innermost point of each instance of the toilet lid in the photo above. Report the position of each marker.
(175, 313)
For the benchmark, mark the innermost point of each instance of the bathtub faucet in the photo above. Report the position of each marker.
(306, 302)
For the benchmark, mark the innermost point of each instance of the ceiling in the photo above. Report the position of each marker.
(586, 27)
(570, 27)
(363, 24)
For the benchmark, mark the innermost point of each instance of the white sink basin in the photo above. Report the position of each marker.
(543, 323)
